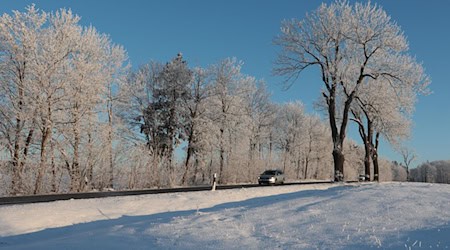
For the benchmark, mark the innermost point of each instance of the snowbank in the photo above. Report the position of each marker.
(389, 215)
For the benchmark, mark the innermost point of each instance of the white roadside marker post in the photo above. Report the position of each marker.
(214, 182)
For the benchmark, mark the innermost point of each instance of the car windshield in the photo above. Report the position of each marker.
(269, 172)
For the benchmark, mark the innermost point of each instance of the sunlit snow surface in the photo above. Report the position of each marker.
(387, 215)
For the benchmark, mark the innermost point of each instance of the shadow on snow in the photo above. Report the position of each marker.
(132, 232)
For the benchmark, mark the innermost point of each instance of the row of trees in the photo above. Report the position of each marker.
(75, 117)
(436, 172)
(56, 82)
(222, 120)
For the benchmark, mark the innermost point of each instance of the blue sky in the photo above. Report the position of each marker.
(208, 31)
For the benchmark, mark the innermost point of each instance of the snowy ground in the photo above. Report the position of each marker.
(387, 215)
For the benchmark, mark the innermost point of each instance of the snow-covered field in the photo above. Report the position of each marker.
(387, 215)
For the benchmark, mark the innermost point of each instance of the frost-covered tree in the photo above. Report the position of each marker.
(262, 113)
(350, 44)
(58, 42)
(136, 102)
(290, 135)
(384, 108)
(303, 143)
(315, 141)
(197, 121)
(170, 98)
(157, 103)
(114, 73)
(227, 110)
(355, 160)
(408, 157)
(135, 109)
(18, 43)
(398, 172)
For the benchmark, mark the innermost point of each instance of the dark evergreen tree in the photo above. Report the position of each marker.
(165, 118)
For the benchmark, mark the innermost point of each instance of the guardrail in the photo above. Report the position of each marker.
(13, 200)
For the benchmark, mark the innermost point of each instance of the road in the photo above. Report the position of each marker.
(67, 196)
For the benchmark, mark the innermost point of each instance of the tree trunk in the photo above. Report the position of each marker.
(375, 158)
(20, 163)
(186, 165)
(367, 161)
(196, 171)
(209, 169)
(339, 159)
(54, 170)
(306, 167)
(190, 152)
(90, 160)
(28, 142)
(375, 167)
(157, 158)
(337, 136)
(367, 141)
(307, 159)
(76, 173)
(171, 126)
(270, 147)
(222, 157)
(17, 178)
(110, 143)
(132, 178)
(46, 135)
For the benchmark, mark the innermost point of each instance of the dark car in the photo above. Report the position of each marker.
(271, 177)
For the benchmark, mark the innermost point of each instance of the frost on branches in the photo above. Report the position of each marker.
(54, 79)
(353, 46)
(74, 116)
